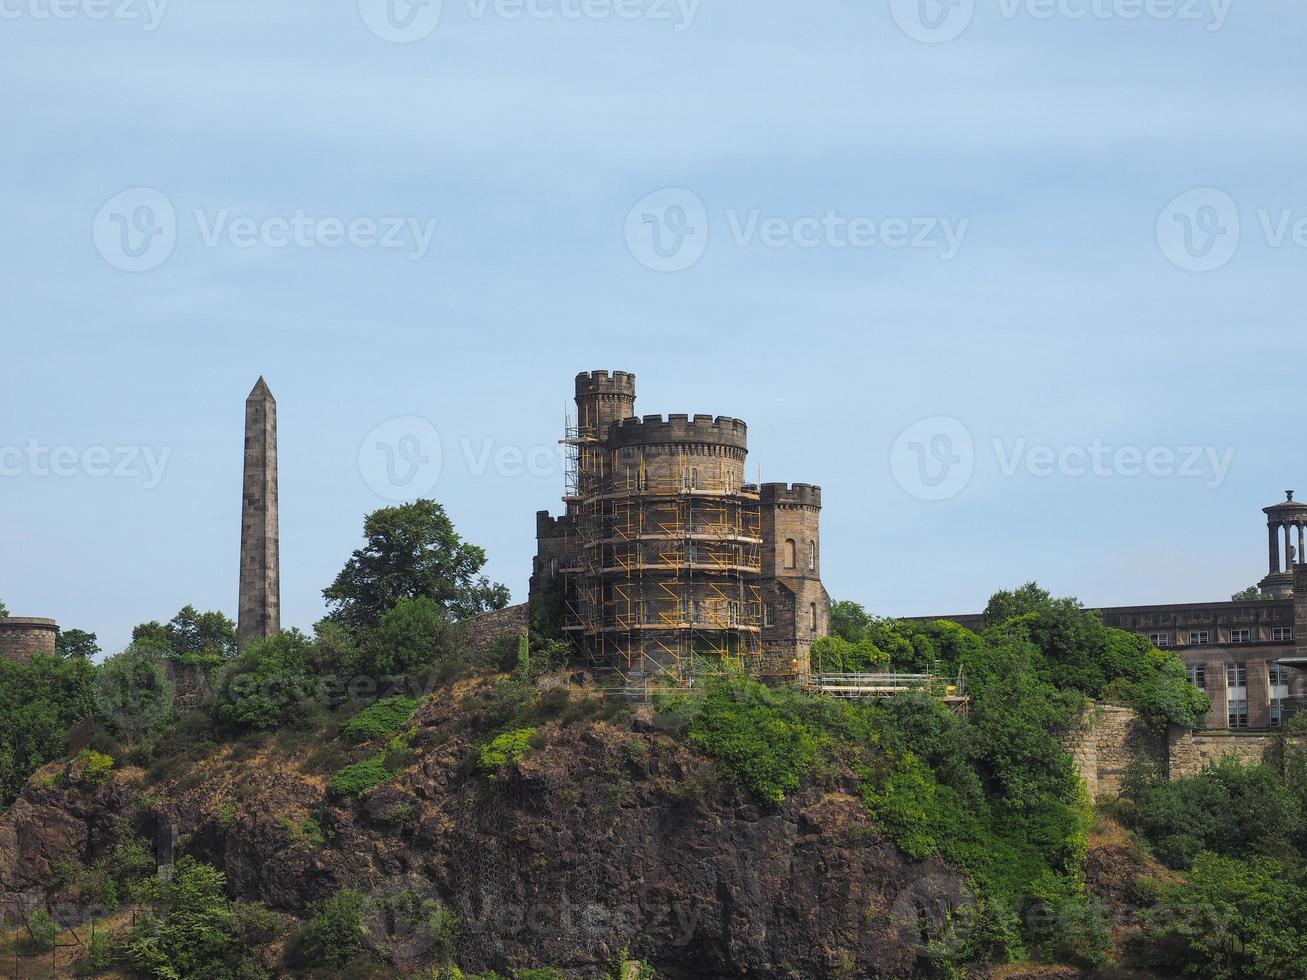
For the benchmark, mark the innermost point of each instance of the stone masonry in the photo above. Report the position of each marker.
(260, 578)
(21, 637)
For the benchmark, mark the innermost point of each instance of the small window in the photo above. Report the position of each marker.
(1279, 674)
(1159, 639)
(1276, 716)
(1240, 636)
(812, 556)
(1239, 713)
(1197, 637)
(769, 614)
(1236, 675)
(812, 611)
(1282, 633)
(1197, 674)
(790, 553)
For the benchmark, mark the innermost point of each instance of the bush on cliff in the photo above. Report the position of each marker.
(380, 720)
(39, 702)
(269, 684)
(334, 936)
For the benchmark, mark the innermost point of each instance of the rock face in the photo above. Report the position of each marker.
(602, 837)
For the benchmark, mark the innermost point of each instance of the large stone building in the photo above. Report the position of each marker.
(1251, 655)
(665, 558)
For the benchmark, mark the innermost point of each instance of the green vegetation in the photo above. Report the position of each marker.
(77, 645)
(269, 684)
(1253, 593)
(42, 933)
(412, 552)
(94, 767)
(357, 779)
(1239, 834)
(39, 702)
(506, 749)
(198, 932)
(334, 936)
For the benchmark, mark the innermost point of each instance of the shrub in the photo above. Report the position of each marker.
(357, 779)
(42, 933)
(506, 749)
(334, 935)
(95, 767)
(269, 684)
(759, 744)
(380, 720)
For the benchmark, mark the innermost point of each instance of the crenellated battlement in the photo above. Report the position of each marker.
(701, 429)
(791, 495)
(605, 383)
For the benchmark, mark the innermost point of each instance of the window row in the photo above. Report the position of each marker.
(792, 554)
(1279, 634)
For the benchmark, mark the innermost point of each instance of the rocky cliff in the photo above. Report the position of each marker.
(606, 834)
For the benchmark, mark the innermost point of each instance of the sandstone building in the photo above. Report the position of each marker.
(1250, 656)
(666, 559)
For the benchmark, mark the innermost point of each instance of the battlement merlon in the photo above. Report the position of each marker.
(652, 430)
(786, 495)
(553, 527)
(603, 383)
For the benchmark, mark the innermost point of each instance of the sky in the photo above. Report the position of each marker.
(1018, 283)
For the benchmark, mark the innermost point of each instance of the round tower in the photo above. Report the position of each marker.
(23, 637)
(674, 547)
(601, 399)
(1285, 523)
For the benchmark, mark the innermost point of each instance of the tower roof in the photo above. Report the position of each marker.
(1287, 505)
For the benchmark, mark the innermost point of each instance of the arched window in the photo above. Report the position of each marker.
(789, 553)
(812, 612)
(812, 556)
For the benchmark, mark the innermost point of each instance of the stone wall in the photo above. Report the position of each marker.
(21, 637)
(1107, 738)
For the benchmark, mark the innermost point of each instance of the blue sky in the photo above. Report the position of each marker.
(1069, 155)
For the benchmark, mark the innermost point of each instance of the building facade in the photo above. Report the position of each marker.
(1249, 656)
(666, 559)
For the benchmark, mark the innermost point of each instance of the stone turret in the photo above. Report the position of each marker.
(22, 637)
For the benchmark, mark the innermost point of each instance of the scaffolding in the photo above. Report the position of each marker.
(666, 583)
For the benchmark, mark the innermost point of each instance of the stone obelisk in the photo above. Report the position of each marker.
(260, 598)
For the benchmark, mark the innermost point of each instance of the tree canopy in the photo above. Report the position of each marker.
(412, 551)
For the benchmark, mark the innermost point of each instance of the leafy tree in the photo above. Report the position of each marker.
(4, 610)
(410, 635)
(39, 702)
(1251, 594)
(412, 551)
(334, 936)
(77, 645)
(41, 930)
(194, 632)
(269, 684)
(133, 694)
(836, 654)
(1229, 919)
(198, 932)
(849, 621)
(153, 634)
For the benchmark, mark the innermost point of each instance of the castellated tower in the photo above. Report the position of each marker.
(260, 581)
(796, 604)
(662, 555)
